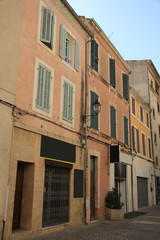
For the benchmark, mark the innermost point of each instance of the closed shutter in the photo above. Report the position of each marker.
(94, 116)
(138, 148)
(133, 138)
(142, 192)
(70, 103)
(112, 73)
(62, 45)
(113, 121)
(43, 88)
(47, 20)
(133, 106)
(125, 86)
(67, 102)
(76, 65)
(143, 144)
(149, 148)
(94, 55)
(126, 130)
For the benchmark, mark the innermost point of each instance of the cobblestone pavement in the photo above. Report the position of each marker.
(145, 227)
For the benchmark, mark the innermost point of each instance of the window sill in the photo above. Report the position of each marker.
(52, 51)
(42, 112)
(68, 65)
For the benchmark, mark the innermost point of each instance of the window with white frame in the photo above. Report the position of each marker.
(68, 91)
(69, 48)
(135, 139)
(47, 26)
(43, 88)
(147, 119)
(141, 113)
(133, 105)
(143, 144)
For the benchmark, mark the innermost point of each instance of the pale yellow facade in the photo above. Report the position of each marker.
(142, 154)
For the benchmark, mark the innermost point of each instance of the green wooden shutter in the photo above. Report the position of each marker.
(46, 25)
(76, 64)
(65, 100)
(94, 117)
(46, 104)
(94, 55)
(43, 88)
(52, 30)
(113, 121)
(125, 86)
(62, 45)
(126, 130)
(112, 73)
(68, 102)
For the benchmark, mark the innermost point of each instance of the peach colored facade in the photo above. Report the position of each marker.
(48, 147)
(99, 140)
(32, 124)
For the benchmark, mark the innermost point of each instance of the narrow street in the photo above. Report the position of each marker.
(146, 226)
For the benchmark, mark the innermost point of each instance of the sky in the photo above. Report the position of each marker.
(133, 26)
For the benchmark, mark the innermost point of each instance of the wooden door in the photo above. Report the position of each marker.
(18, 197)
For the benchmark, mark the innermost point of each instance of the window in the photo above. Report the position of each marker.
(68, 92)
(149, 148)
(133, 106)
(43, 88)
(143, 144)
(47, 26)
(126, 130)
(94, 55)
(135, 139)
(94, 116)
(158, 107)
(147, 119)
(153, 113)
(151, 84)
(113, 121)
(69, 48)
(141, 113)
(125, 86)
(112, 72)
(156, 87)
(155, 138)
(156, 158)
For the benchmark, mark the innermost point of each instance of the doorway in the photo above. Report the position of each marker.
(18, 197)
(56, 196)
(23, 201)
(92, 188)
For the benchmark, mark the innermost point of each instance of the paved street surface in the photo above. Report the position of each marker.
(145, 227)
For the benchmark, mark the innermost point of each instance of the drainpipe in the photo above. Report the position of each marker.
(151, 132)
(130, 128)
(85, 127)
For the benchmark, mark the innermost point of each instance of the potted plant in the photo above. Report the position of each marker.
(114, 205)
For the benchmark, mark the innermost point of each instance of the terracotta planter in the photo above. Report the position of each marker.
(115, 214)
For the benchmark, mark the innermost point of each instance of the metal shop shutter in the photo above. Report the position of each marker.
(56, 196)
(142, 192)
